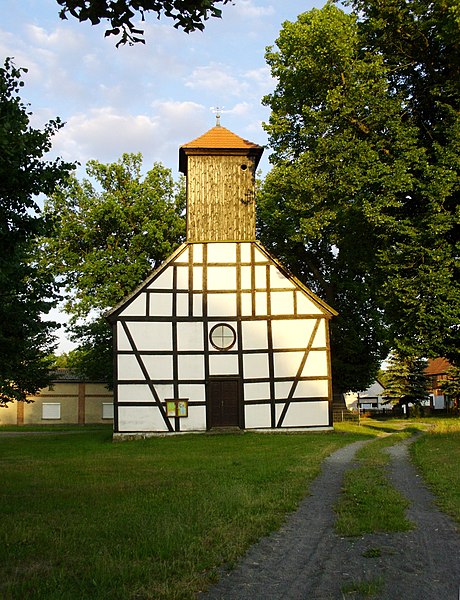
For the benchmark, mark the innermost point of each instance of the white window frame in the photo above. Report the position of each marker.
(107, 410)
(51, 411)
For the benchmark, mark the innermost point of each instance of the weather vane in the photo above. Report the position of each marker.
(217, 110)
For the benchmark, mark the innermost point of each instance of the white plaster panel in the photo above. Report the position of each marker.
(257, 416)
(282, 389)
(287, 363)
(182, 278)
(136, 307)
(255, 365)
(162, 281)
(190, 336)
(140, 418)
(134, 393)
(122, 339)
(159, 366)
(223, 364)
(254, 335)
(246, 305)
(196, 420)
(261, 277)
(194, 392)
(128, 367)
(312, 388)
(151, 335)
(245, 252)
(259, 256)
(278, 280)
(304, 389)
(306, 306)
(320, 337)
(305, 414)
(222, 253)
(198, 278)
(160, 305)
(282, 303)
(222, 278)
(257, 391)
(197, 305)
(292, 333)
(197, 253)
(184, 256)
(164, 391)
(222, 305)
(261, 304)
(246, 281)
(316, 364)
(182, 304)
(191, 367)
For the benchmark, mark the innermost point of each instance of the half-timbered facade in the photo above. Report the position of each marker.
(221, 335)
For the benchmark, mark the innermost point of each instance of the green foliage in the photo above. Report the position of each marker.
(108, 233)
(362, 202)
(26, 341)
(405, 380)
(93, 357)
(188, 15)
(451, 386)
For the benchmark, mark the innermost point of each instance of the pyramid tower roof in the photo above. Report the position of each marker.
(218, 140)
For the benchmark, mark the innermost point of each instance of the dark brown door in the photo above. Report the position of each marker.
(224, 402)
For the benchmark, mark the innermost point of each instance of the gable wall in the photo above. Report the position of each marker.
(280, 356)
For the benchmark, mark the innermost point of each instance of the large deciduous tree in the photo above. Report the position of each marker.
(109, 231)
(188, 15)
(362, 202)
(26, 340)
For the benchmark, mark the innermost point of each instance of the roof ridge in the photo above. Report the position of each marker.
(220, 137)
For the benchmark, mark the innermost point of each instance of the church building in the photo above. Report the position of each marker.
(221, 335)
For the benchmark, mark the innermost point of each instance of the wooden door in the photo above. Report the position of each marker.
(224, 402)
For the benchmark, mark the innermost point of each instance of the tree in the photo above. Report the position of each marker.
(361, 202)
(188, 15)
(108, 233)
(451, 388)
(26, 341)
(405, 381)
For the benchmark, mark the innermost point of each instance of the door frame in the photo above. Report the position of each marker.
(240, 406)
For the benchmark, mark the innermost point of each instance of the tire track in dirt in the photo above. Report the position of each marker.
(306, 560)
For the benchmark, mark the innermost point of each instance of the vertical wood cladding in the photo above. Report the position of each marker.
(220, 198)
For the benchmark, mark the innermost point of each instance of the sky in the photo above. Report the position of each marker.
(149, 98)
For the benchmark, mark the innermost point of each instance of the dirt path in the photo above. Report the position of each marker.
(306, 560)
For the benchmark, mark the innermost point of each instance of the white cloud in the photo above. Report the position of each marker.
(105, 134)
(217, 79)
(247, 8)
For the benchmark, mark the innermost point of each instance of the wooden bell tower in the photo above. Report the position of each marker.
(220, 169)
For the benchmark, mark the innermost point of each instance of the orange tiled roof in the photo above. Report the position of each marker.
(220, 137)
(437, 366)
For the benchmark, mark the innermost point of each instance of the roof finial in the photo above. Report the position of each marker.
(217, 110)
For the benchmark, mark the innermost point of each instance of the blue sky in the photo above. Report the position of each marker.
(148, 98)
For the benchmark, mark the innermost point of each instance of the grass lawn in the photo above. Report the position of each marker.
(85, 518)
(437, 455)
(369, 503)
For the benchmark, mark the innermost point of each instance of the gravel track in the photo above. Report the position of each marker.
(306, 560)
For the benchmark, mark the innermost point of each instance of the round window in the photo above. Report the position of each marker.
(222, 336)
